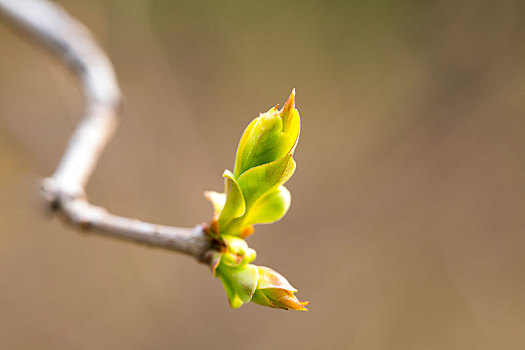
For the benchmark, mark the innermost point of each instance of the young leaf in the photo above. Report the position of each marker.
(262, 142)
(257, 181)
(234, 205)
(270, 207)
(291, 120)
(239, 282)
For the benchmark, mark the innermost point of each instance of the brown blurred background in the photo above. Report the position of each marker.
(407, 223)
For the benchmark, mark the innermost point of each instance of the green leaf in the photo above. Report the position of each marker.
(239, 282)
(257, 181)
(234, 206)
(291, 120)
(262, 142)
(270, 207)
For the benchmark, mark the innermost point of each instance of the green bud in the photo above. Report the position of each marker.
(237, 251)
(274, 290)
(254, 192)
(269, 137)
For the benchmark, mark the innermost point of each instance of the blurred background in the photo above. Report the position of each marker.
(406, 229)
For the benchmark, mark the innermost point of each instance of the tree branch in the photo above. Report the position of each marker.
(65, 189)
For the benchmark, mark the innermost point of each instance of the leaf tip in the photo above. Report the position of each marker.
(290, 103)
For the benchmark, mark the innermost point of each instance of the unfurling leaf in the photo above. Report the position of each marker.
(270, 207)
(255, 182)
(239, 282)
(262, 142)
(234, 205)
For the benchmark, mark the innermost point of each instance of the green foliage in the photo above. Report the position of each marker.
(254, 194)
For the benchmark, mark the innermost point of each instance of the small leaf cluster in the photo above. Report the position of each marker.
(254, 194)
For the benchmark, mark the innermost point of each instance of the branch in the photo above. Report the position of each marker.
(65, 189)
